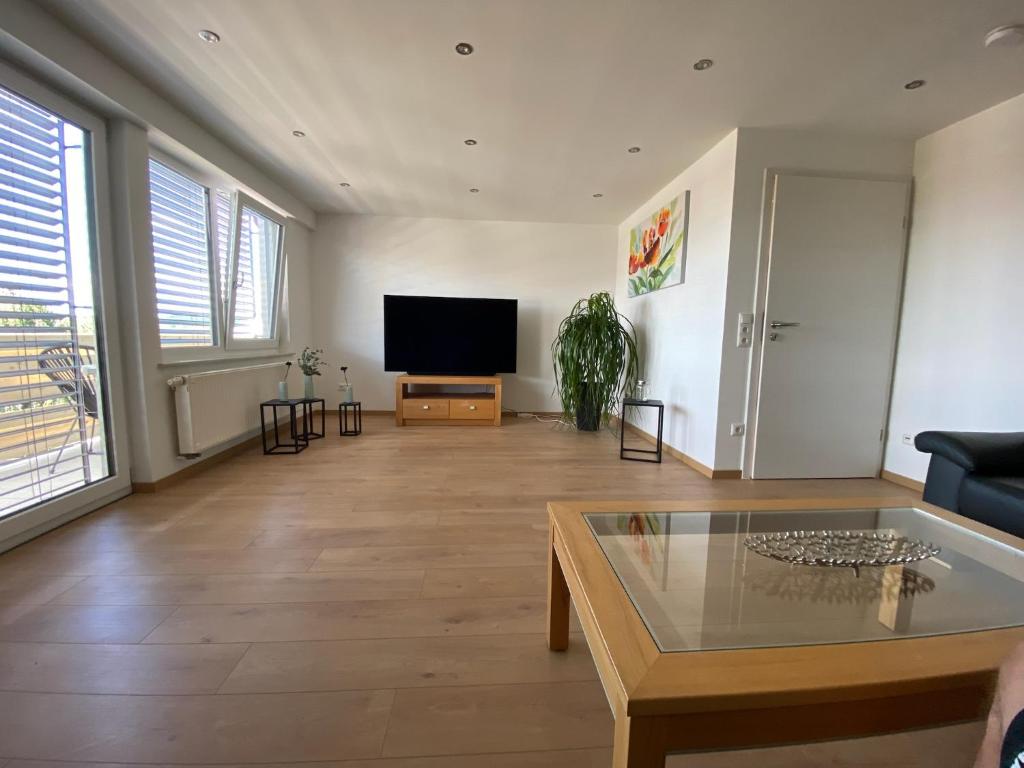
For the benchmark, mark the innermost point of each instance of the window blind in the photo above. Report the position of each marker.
(46, 394)
(181, 258)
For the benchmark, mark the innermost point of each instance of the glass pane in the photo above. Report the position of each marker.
(181, 258)
(697, 586)
(256, 277)
(52, 433)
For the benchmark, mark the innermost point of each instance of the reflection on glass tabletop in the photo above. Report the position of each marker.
(698, 587)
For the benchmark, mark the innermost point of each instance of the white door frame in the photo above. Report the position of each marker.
(31, 522)
(764, 251)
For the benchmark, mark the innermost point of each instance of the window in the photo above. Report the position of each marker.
(218, 259)
(52, 400)
(185, 295)
(257, 247)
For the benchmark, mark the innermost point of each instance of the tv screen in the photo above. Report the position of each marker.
(455, 337)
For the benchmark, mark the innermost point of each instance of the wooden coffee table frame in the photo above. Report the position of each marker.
(726, 699)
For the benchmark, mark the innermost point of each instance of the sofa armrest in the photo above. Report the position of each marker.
(987, 453)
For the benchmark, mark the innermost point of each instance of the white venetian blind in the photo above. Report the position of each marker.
(181, 256)
(48, 401)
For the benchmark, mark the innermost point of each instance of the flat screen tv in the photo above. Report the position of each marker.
(454, 337)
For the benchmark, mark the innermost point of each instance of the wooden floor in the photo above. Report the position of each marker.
(378, 600)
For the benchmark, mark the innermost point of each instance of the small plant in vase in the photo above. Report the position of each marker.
(344, 387)
(310, 363)
(282, 385)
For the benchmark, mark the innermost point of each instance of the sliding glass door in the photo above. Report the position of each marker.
(56, 434)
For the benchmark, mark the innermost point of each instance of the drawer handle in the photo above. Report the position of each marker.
(472, 407)
(426, 407)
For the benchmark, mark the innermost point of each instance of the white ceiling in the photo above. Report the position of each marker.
(555, 92)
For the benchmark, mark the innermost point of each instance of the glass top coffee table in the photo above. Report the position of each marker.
(707, 635)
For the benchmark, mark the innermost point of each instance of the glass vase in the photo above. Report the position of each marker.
(307, 387)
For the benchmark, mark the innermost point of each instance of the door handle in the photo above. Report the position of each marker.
(777, 324)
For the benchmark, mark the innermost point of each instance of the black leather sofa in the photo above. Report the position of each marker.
(977, 474)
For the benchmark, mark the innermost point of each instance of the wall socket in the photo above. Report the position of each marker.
(908, 439)
(737, 430)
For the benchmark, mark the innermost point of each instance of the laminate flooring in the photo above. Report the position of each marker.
(374, 602)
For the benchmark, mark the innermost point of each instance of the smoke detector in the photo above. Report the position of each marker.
(1007, 36)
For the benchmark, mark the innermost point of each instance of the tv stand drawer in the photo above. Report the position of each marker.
(478, 408)
(425, 408)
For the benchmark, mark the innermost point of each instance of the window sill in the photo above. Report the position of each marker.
(223, 357)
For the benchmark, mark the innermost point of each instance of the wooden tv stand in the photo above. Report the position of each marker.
(466, 409)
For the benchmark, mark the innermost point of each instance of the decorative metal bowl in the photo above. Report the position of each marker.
(840, 549)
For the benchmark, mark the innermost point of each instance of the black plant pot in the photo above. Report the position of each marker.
(588, 415)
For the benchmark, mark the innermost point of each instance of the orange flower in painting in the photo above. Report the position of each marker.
(648, 250)
(636, 260)
(657, 248)
(663, 219)
(651, 243)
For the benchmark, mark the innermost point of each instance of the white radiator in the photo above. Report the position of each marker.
(216, 406)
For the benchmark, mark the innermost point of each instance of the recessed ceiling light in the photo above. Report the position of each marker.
(474, 190)
(463, 49)
(209, 36)
(298, 134)
(701, 64)
(633, 150)
(344, 184)
(1005, 37)
(470, 142)
(597, 194)
(913, 85)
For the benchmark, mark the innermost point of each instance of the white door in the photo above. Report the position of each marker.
(835, 268)
(63, 433)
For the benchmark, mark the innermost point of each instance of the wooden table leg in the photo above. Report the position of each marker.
(558, 602)
(637, 744)
(399, 403)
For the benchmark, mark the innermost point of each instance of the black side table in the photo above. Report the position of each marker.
(299, 441)
(308, 403)
(630, 402)
(357, 419)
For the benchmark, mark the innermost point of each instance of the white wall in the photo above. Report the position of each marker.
(150, 402)
(138, 117)
(358, 259)
(680, 328)
(958, 363)
(759, 149)
(689, 332)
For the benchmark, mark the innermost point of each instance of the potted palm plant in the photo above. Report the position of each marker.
(595, 359)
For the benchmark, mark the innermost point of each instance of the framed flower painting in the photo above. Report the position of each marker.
(657, 248)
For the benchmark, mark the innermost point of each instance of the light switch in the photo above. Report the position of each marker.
(745, 330)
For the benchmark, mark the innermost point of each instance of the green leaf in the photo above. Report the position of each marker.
(671, 250)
